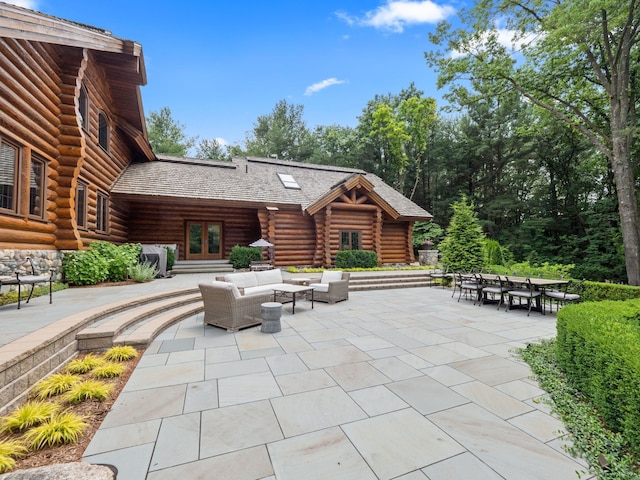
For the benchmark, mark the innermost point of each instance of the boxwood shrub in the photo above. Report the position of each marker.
(598, 346)
(241, 257)
(356, 259)
(597, 291)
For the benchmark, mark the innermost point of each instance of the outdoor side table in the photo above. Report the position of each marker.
(271, 313)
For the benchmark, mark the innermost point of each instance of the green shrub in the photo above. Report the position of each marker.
(494, 253)
(66, 427)
(461, 249)
(526, 269)
(356, 259)
(85, 267)
(598, 291)
(119, 258)
(598, 346)
(171, 257)
(120, 353)
(241, 257)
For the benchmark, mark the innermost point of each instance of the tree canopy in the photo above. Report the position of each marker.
(166, 135)
(576, 59)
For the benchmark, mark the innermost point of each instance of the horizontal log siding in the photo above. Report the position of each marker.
(100, 168)
(344, 219)
(295, 238)
(166, 224)
(394, 243)
(29, 117)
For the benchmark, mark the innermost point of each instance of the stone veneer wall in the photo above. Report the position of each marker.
(43, 260)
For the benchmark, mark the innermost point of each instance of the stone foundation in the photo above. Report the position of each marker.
(43, 261)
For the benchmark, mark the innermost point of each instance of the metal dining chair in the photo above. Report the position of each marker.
(494, 290)
(570, 293)
(528, 292)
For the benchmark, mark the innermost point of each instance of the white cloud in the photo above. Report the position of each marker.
(30, 4)
(316, 87)
(222, 141)
(395, 15)
(510, 39)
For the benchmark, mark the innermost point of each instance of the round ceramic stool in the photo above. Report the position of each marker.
(271, 313)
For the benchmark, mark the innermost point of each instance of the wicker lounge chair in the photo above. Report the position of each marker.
(332, 287)
(225, 307)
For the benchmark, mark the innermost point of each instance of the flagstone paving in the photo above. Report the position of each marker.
(395, 384)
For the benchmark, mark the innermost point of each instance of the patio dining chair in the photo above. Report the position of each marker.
(569, 293)
(527, 292)
(496, 291)
(470, 284)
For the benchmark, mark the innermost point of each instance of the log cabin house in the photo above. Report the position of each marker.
(76, 167)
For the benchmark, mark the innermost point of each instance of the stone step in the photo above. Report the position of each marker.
(388, 286)
(100, 335)
(143, 333)
(25, 362)
(201, 266)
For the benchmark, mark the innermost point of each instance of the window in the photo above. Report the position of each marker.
(102, 212)
(9, 156)
(83, 108)
(350, 239)
(81, 204)
(288, 181)
(36, 187)
(103, 131)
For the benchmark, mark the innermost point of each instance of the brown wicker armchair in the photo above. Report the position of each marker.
(225, 307)
(333, 287)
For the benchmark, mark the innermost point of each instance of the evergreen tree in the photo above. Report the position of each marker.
(461, 248)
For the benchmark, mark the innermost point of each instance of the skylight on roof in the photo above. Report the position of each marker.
(288, 181)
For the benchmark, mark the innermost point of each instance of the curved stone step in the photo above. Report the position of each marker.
(143, 335)
(100, 336)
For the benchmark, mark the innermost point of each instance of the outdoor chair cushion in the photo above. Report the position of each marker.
(242, 279)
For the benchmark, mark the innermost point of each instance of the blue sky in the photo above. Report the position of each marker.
(219, 65)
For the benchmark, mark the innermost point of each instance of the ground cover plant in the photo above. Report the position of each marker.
(609, 455)
(65, 410)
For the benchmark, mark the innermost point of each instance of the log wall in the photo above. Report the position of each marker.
(29, 119)
(294, 238)
(396, 245)
(40, 85)
(166, 224)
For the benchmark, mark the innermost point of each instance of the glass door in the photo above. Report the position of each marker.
(204, 241)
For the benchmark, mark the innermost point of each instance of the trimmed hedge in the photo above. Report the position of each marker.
(241, 257)
(598, 291)
(598, 346)
(356, 259)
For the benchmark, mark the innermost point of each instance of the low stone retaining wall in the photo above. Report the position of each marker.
(43, 260)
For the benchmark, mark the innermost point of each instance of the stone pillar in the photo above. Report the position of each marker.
(428, 257)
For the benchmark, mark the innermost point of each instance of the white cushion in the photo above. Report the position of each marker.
(331, 276)
(266, 277)
(320, 287)
(242, 279)
(227, 286)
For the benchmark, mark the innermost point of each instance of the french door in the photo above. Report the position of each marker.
(204, 241)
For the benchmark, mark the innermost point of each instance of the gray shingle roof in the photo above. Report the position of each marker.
(248, 180)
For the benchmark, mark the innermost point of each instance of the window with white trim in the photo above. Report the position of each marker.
(83, 108)
(82, 190)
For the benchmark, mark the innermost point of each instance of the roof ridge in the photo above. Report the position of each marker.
(308, 166)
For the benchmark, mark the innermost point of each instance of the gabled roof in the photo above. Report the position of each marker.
(254, 182)
(122, 60)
